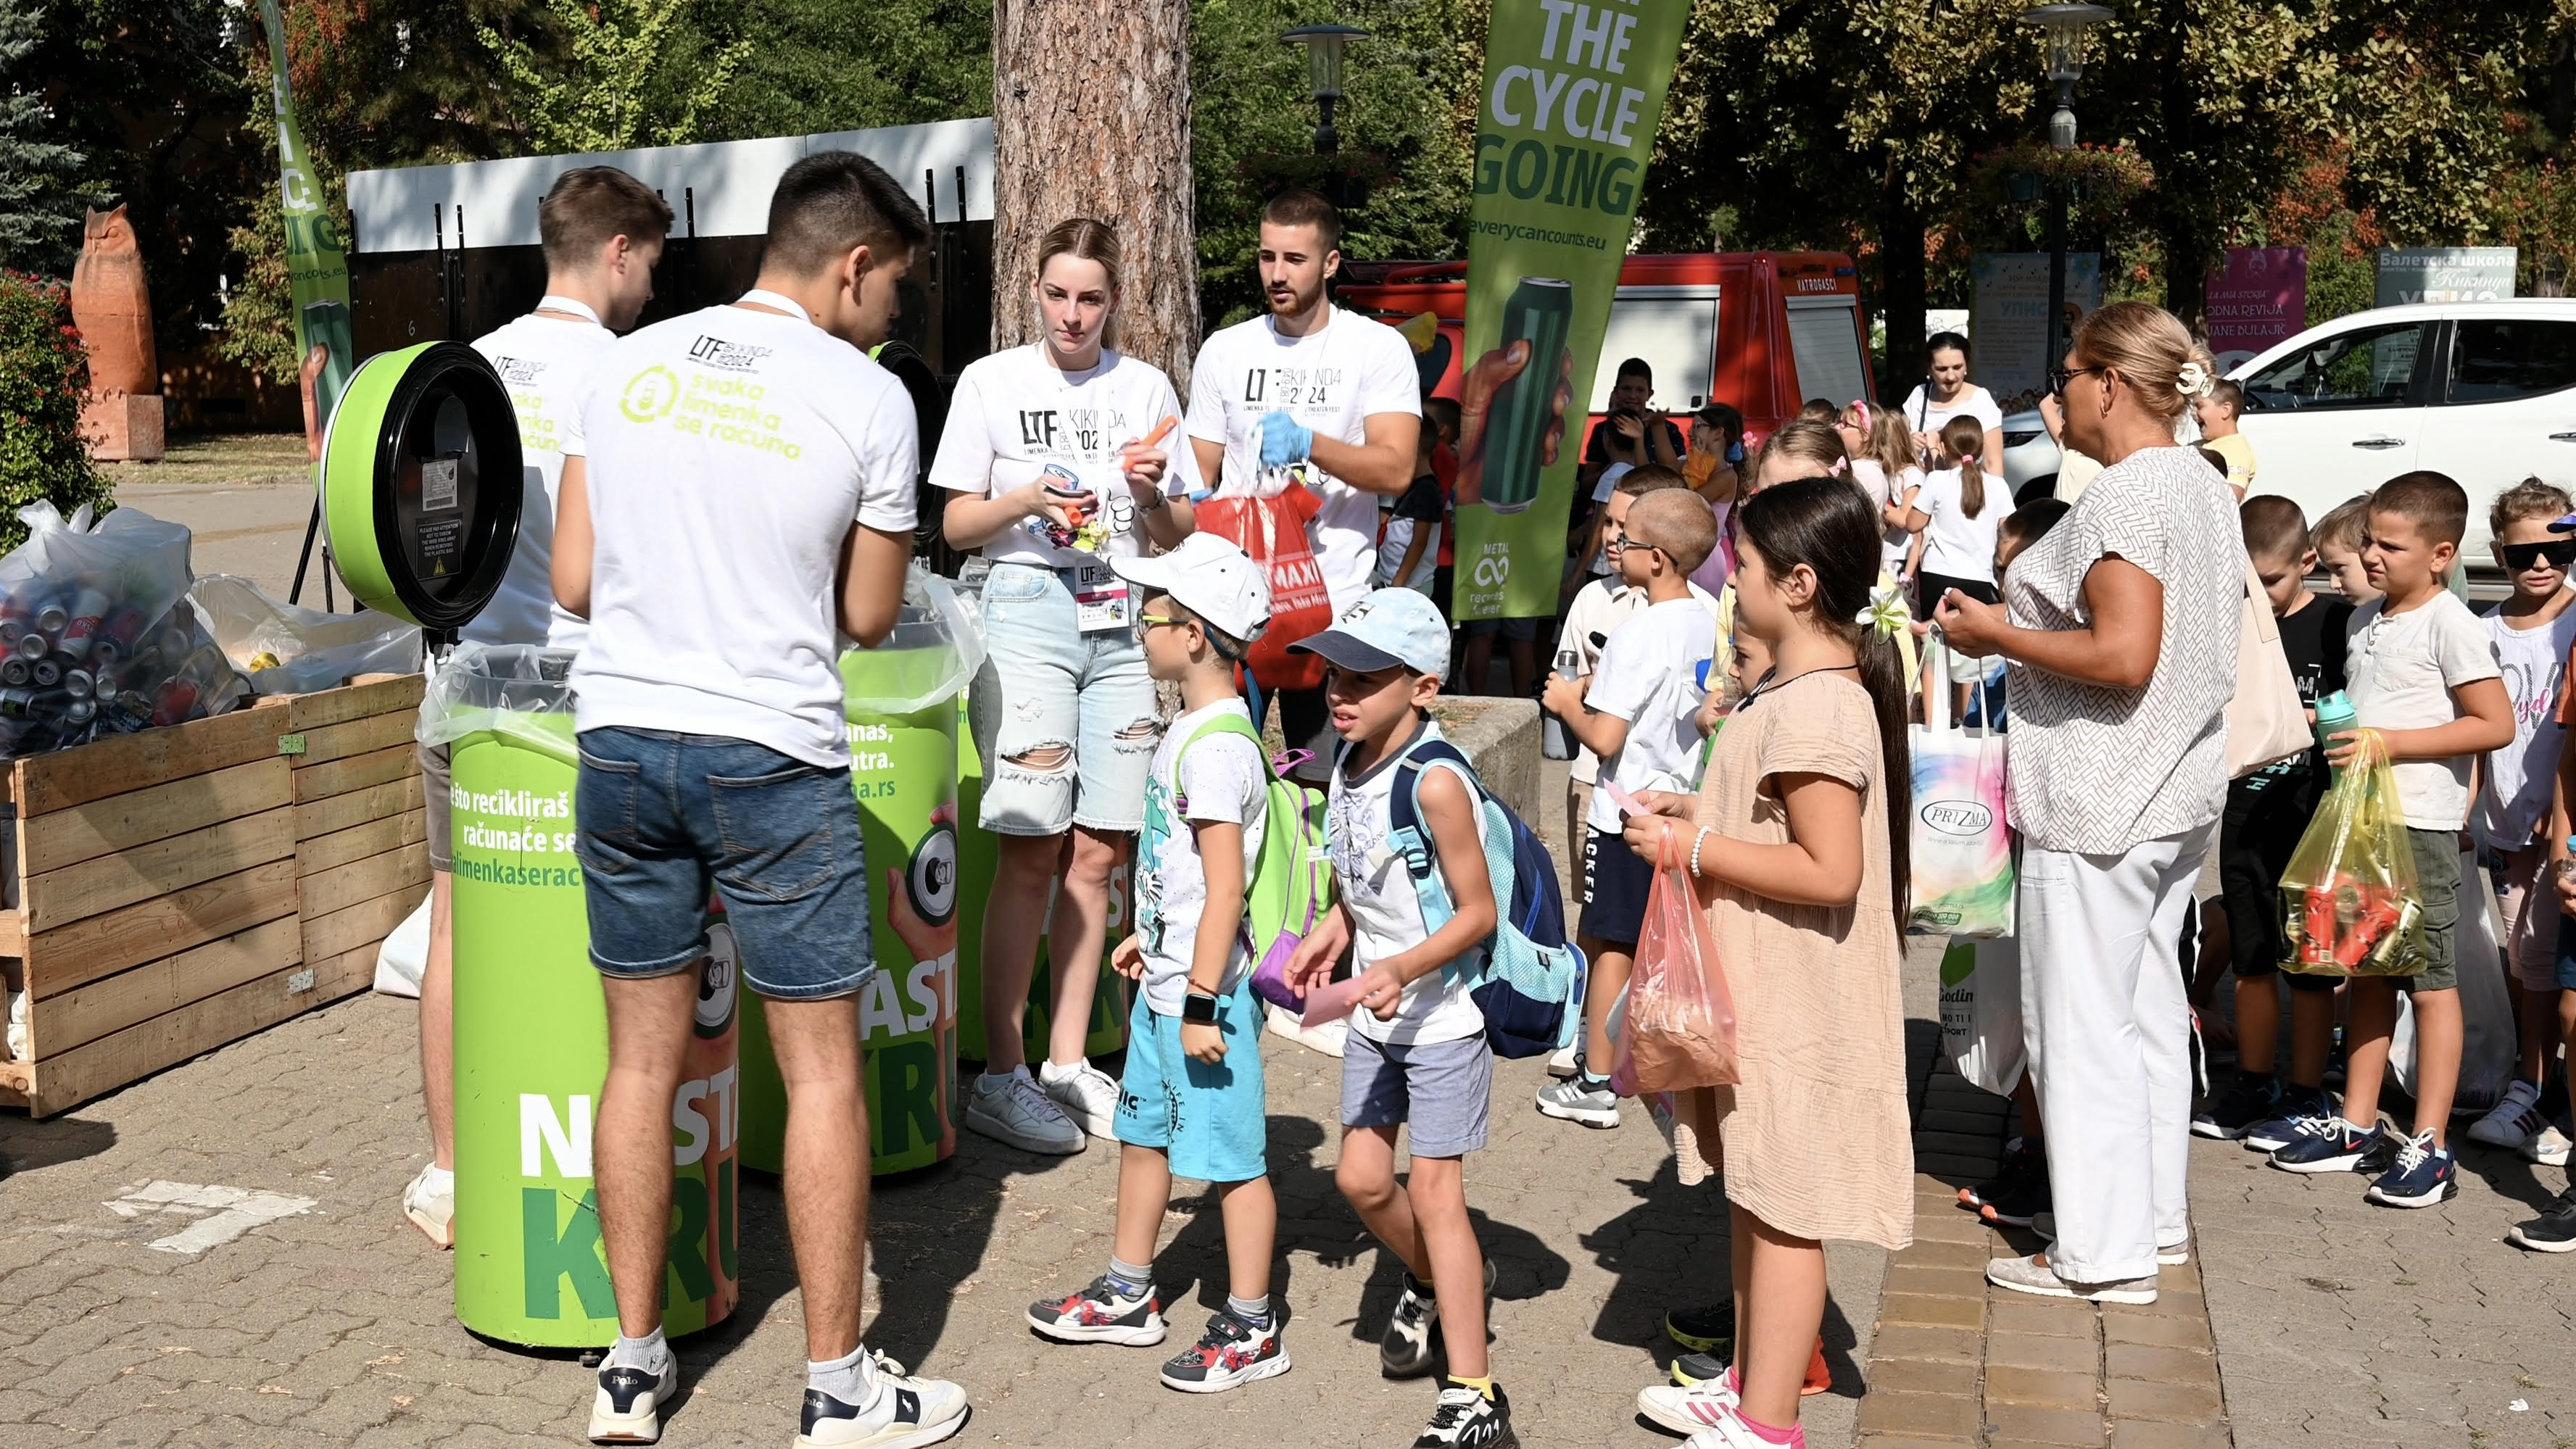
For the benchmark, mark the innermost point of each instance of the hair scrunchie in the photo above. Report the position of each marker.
(2193, 380)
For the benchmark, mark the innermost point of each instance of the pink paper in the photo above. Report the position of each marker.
(1331, 1002)
(1626, 802)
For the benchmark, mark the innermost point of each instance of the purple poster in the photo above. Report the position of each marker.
(2258, 298)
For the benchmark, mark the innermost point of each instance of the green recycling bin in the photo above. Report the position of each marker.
(902, 716)
(977, 856)
(532, 1034)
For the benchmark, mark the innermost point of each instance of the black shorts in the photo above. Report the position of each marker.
(1617, 880)
(2255, 840)
(1930, 588)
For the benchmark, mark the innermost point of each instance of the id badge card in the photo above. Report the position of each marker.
(1099, 597)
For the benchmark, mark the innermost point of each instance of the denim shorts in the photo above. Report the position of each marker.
(1210, 1120)
(1051, 686)
(659, 815)
(1439, 1089)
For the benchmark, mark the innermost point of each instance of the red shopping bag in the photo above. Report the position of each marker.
(1273, 532)
(1678, 1027)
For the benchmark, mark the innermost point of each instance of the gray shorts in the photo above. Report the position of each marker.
(1440, 1089)
(433, 799)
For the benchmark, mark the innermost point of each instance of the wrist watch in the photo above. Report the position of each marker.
(1199, 1008)
(1162, 500)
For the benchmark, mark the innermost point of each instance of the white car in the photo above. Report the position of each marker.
(2482, 391)
(2030, 457)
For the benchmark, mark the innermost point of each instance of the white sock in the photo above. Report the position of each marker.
(648, 1353)
(996, 1081)
(851, 1378)
(1050, 1072)
(439, 1179)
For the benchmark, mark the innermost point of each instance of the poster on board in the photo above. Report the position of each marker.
(2443, 274)
(2257, 298)
(2009, 317)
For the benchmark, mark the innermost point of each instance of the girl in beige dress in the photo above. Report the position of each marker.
(1798, 846)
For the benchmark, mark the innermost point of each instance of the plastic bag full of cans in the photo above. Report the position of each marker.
(96, 636)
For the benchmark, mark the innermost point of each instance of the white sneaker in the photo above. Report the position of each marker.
(901, 1413)
(2030, 1275)
(627, 1409)
(1018, 1113)
(1687, 1410)
(1087, 1094)
(1729, 1431)
(1330, 1038)
(2516, 1119)
(2044, 1225)
(2549, 1149)
(431, 1205)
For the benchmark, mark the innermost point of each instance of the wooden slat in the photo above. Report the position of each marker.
(324, 852)
(113, 1061)
(59, 1023)
(356, 772)
(336, 889)
(157, 868)
(356, 737)
(138, 817)
(363, 924)
(64, 778)
(102, 945)
(357, 807)
(372, 694)
(13, 933)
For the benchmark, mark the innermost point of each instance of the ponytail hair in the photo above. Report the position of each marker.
(1827, 525)
(1961, 437)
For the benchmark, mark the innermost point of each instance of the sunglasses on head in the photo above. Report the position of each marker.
(2519, 556)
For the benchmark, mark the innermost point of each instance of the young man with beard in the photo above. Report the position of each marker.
(601, 231)
(1309, 390)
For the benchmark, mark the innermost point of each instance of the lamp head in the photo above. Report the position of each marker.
(2064, 27)
(1324, 55)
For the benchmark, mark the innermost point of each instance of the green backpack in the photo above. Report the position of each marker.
(1292, 881)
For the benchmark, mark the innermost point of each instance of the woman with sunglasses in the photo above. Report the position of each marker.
(2118, 624)
(1945, 393)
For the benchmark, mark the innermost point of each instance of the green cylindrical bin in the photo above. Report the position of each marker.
(532, 1038)
(903, 768)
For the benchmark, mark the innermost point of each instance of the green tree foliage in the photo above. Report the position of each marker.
(44, 379)
(616, 74)
(39, 207)
(823, 65)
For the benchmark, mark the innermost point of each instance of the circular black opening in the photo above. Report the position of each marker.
(448, 485)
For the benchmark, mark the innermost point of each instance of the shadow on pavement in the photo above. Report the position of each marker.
(29, 1146)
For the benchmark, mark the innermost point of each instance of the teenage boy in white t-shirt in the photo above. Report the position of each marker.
(1416, 1056)
(739, 490)
(1638, 713)
(601, 231)
(1309, 388)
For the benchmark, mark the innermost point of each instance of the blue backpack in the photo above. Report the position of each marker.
(1529, 975)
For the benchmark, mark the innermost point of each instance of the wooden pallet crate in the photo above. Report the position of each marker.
(151, 885)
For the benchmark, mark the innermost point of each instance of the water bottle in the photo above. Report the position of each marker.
(2566, 869)
(2334, 715)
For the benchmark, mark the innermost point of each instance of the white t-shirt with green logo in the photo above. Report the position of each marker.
(1013, 413)
(543, 362)
(728, 452)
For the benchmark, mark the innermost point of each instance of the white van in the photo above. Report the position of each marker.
(2482, 391)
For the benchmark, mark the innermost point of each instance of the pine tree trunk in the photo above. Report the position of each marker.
(1091, 117)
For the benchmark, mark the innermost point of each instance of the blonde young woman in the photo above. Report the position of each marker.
(1072, 724)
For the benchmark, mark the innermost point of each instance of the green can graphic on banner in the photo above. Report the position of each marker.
(1572, 96)
(531, 1052)
(317, 272)
(903, 768)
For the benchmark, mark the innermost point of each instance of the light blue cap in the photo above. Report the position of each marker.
(1388, 628)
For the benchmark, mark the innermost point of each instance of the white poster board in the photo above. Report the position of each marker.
(2010, 319)
(2444, 274)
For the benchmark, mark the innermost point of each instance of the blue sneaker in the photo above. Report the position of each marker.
(2422, 1176)
(2281, 1127)
(2325, 1144)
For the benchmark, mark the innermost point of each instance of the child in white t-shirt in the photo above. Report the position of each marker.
(1192, 1099)
(1637, 713)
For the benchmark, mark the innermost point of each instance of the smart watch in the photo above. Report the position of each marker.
(1199, 1008)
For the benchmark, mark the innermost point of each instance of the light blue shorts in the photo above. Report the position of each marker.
(1048, 684)
(1211, 1120)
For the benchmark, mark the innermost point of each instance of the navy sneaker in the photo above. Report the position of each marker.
(2324, 1144)
(2281, 1128)
(2422, 1175)
(903, 1412)
(2249, 1100)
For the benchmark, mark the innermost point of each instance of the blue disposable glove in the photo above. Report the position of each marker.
(1284, 440)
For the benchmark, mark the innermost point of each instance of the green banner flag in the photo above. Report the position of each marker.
(1572, 96)
(316, 269)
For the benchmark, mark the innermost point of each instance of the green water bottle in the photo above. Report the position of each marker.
(2335, 715)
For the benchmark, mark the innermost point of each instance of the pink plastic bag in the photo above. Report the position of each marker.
(1679, 1027)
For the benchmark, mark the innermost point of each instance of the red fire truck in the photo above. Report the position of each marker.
(1761, 331)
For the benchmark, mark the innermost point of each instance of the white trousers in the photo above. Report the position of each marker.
(2109, 1034)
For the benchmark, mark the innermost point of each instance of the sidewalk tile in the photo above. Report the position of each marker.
(2042, 1351)
(1956, 1377)
(2028, 1313)
(2156, 1332)
(2152, 1434)
(1903, 1441)
(2157, 1365)
(2190, 1402)
(2012, 1423)
(2042, 1388)
(1958, 1345)
(1941, 1252)
(1954, 1227)
(1940, 1280)
(1948, 1416)
(1924, 1311)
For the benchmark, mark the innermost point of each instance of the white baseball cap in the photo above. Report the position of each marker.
(1212, 578)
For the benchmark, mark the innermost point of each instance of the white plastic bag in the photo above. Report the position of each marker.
(498, 687)
(1981, 1013)
(405, 955)
(286, 649)
(1962, 882)
(941, 639)
(2487, 1050)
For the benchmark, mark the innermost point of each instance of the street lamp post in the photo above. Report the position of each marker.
(2064, 26)
(1324, 82)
